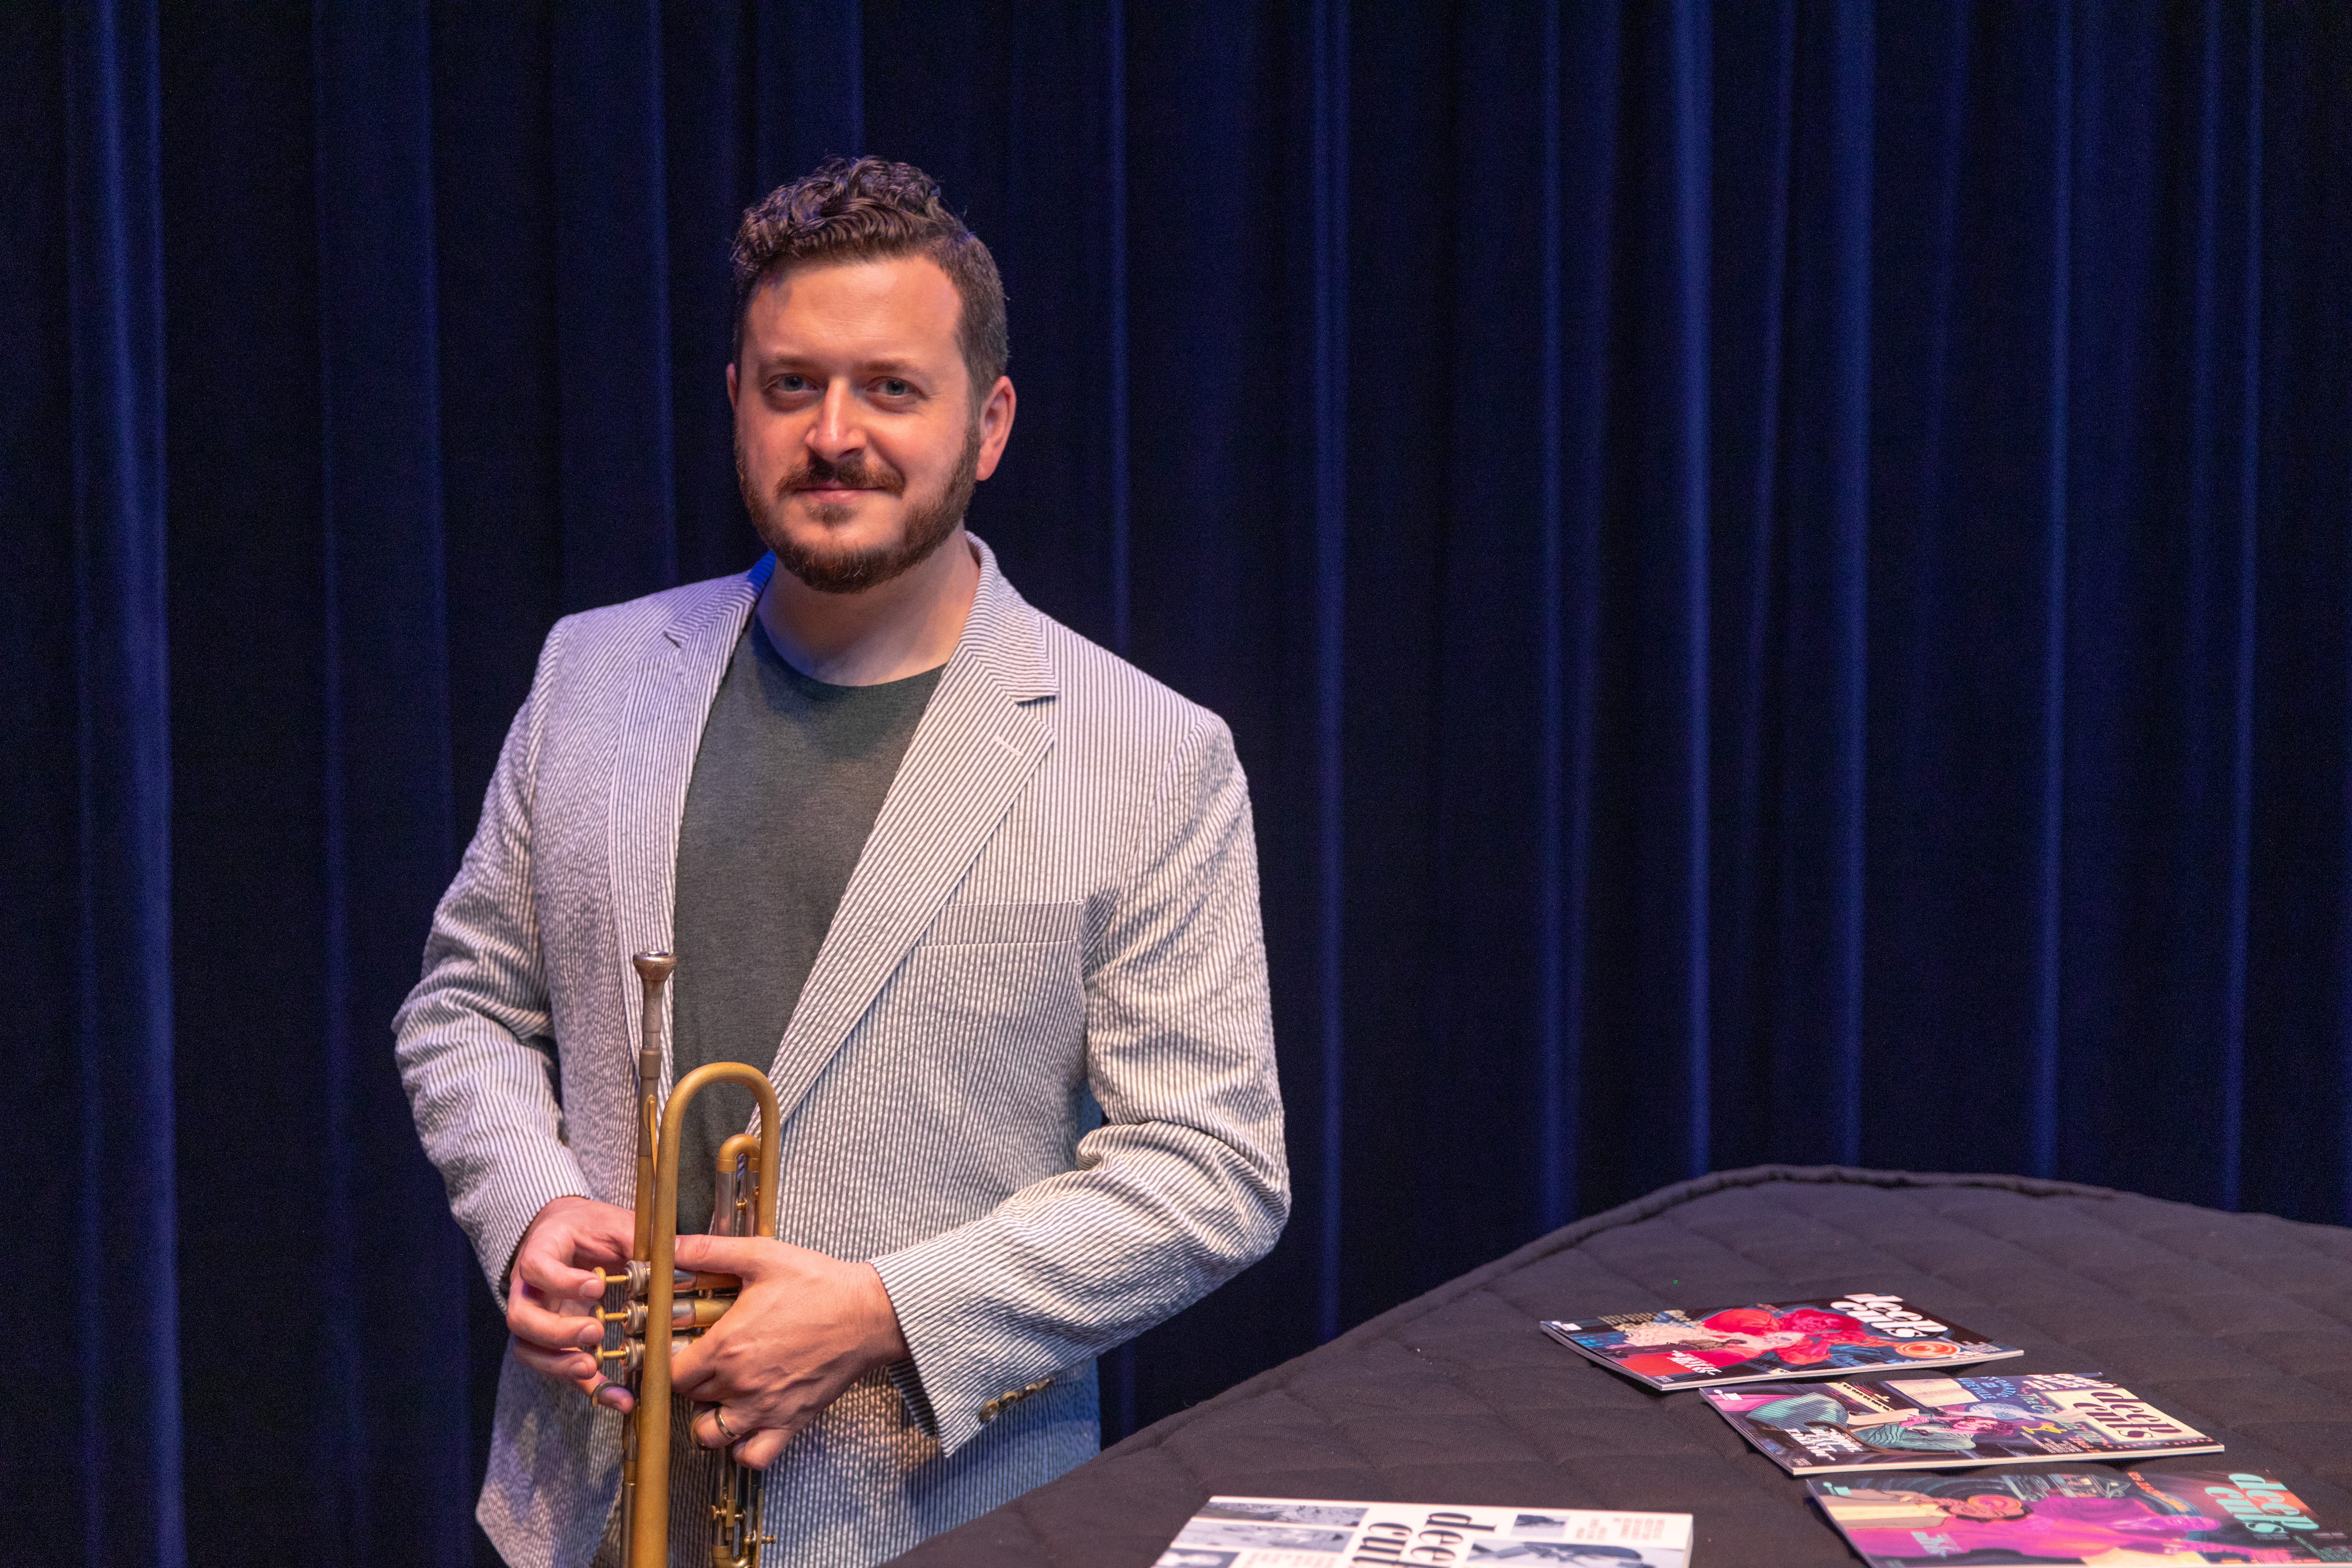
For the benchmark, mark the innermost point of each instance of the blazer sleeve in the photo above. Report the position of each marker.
(1183, 1185)
(475, 1049)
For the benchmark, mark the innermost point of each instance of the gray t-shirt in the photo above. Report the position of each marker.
(787, 783)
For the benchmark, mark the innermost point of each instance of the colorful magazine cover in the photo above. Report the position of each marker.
(1311, 1532)
(1913, 1520)
(1862, 1332)
(1902, 1423)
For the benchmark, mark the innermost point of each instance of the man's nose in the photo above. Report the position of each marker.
(837, 433)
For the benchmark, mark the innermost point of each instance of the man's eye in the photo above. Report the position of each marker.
(793, 384)
(894, 387)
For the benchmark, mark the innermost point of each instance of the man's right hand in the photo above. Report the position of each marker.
(551, 1290)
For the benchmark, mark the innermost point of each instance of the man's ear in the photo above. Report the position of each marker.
(995, 425)
(730, 384)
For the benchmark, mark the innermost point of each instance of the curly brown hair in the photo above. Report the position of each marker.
(860, 209)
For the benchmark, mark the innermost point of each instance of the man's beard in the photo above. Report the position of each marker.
(852, 571)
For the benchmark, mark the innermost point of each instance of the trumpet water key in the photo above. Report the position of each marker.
(649, 1306)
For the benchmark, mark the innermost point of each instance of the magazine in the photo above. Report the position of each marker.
(1305, 1532)
(1903, 1422)
(1858, 1333)
(1913, 1520)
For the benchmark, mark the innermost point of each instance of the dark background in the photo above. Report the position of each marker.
(1780, 570)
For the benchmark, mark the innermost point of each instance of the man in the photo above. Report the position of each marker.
(964, 884)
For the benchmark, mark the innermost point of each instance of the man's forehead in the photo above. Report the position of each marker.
(879, 308)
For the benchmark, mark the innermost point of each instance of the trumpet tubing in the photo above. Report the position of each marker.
(650, 1305)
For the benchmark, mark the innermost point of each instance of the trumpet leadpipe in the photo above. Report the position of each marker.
(651, 1302)
(654, 970)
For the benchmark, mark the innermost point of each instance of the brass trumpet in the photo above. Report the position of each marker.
(649, 1305)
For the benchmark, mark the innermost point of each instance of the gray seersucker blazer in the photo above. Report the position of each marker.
(1053, 924)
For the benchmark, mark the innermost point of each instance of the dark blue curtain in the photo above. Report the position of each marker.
(1783, 573)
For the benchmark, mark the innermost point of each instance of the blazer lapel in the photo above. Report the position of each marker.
(980, 740)
(659, 735)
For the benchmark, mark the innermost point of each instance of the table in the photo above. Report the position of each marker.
(2238, 1324)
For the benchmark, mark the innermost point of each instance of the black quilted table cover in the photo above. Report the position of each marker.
(2238, 1324)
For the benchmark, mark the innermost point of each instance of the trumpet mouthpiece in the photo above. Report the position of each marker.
(654, 968)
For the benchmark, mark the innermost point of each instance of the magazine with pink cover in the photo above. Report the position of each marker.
(1903, 1422)
(1864, 1331)
(1918, 1519)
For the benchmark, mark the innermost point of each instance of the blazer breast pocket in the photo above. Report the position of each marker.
(973, 925)
(1000, 993)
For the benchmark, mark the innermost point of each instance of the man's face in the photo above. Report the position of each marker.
(857, 438)
(1988, 1505)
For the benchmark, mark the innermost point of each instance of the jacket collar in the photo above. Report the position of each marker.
(719, 617)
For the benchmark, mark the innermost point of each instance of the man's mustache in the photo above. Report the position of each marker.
(856, 474)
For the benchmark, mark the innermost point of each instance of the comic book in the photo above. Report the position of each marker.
(1903, 1422)
(1859, 1332)
(1913, 1520)
(1308, 1532)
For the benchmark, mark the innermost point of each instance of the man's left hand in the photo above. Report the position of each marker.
(803, 1328)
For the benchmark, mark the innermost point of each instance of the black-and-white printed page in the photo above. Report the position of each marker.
(1309, 1533)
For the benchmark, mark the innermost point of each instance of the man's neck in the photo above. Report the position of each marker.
(889, 632)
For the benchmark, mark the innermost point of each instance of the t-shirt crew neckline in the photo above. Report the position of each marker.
(764, 647)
